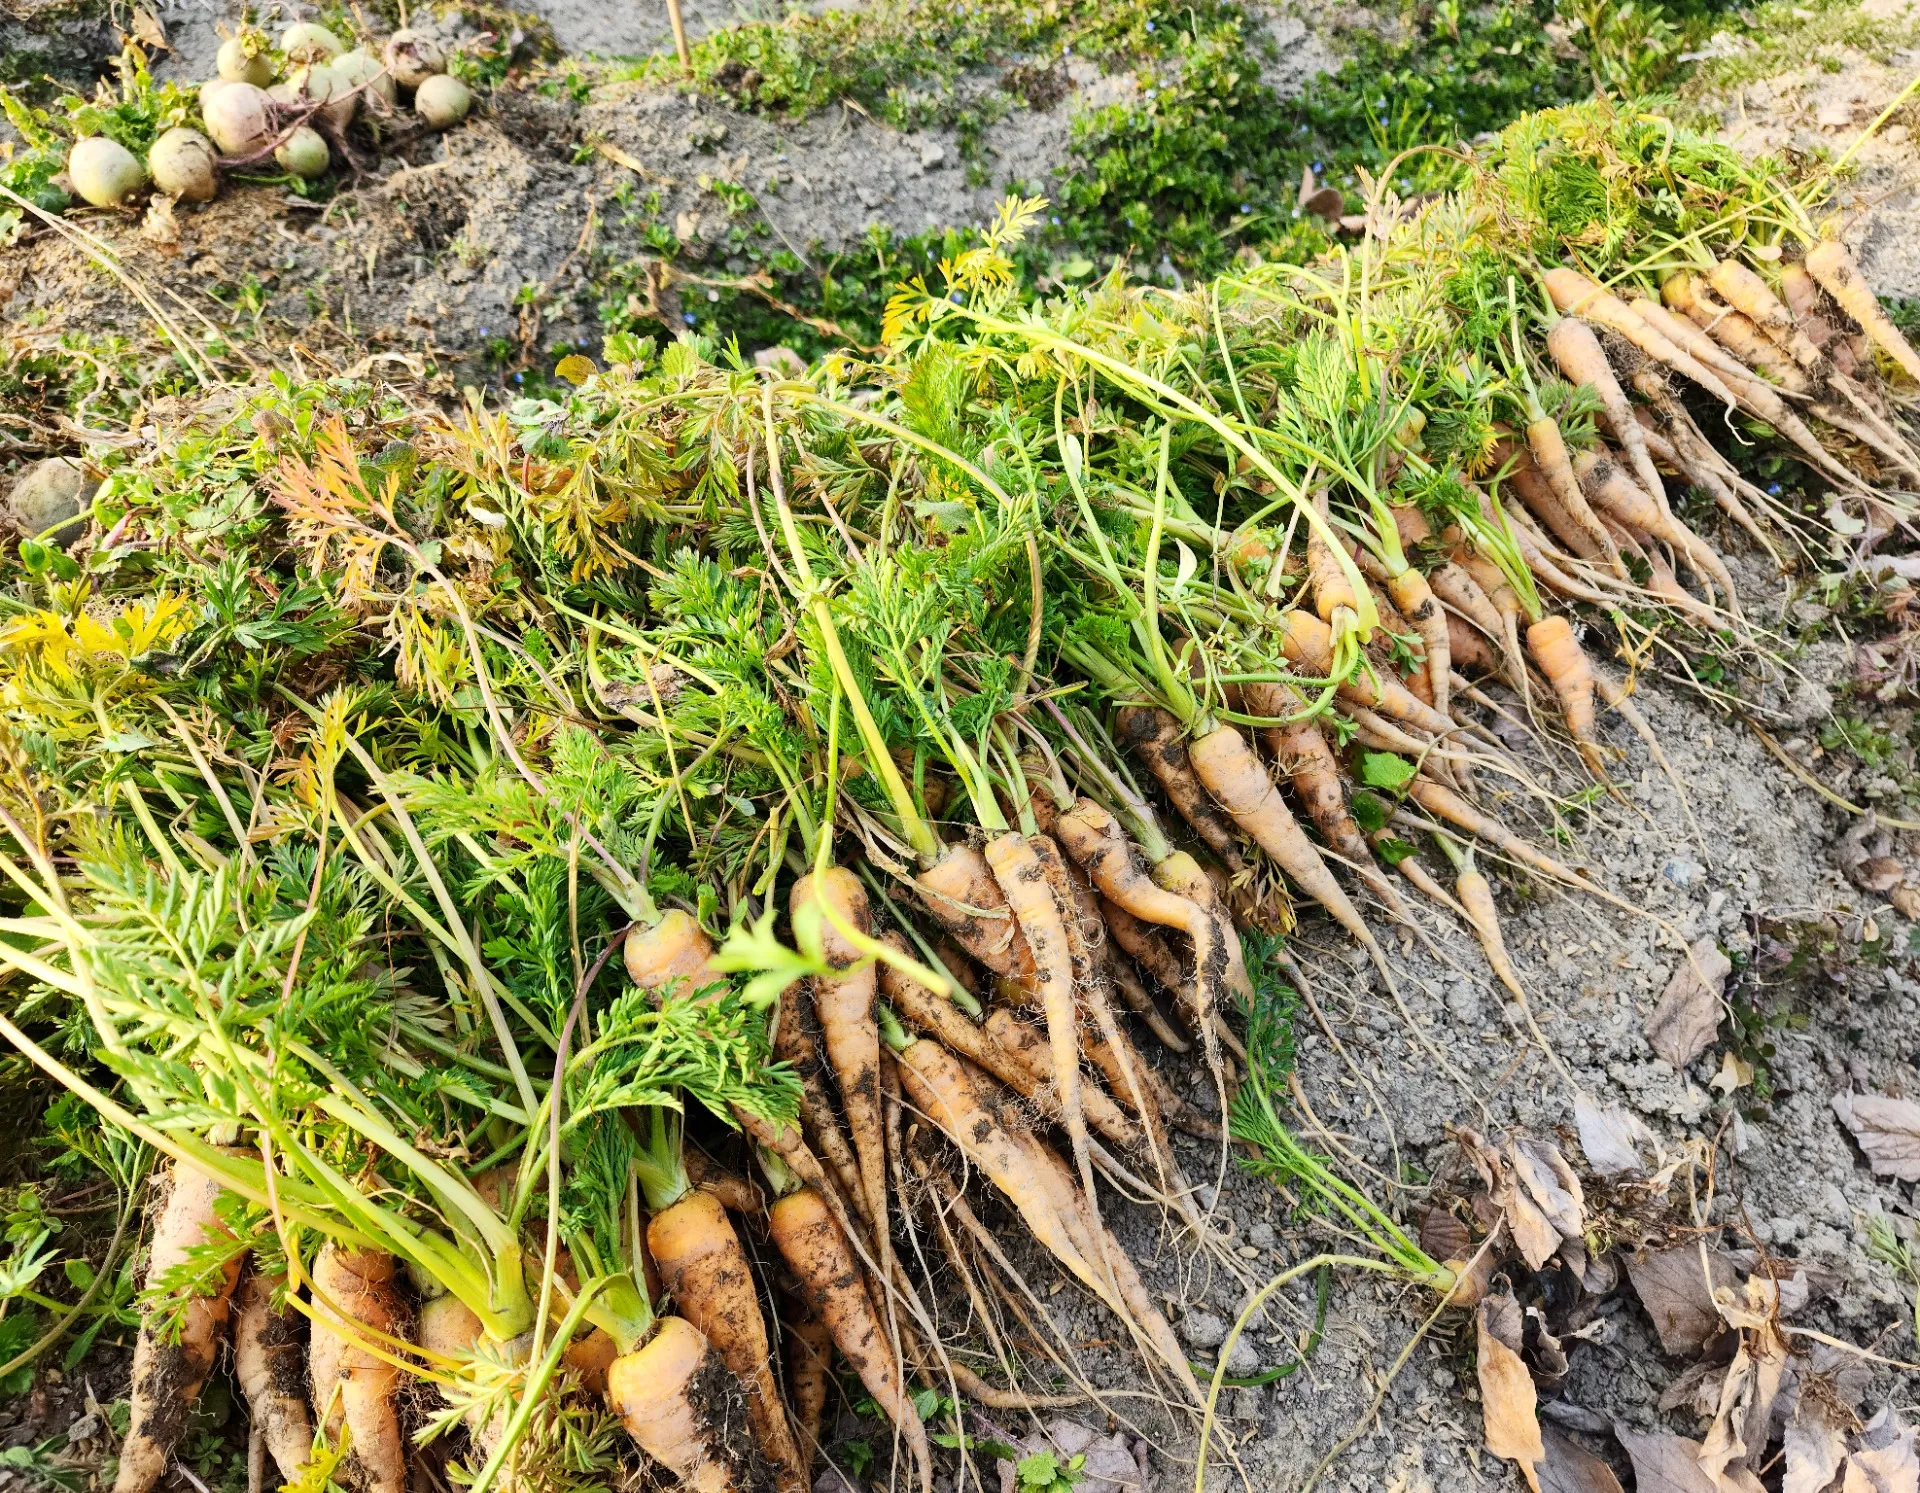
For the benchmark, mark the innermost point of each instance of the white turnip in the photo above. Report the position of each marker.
(303, 153)
(319, 83)
(442, 101)
(413, 57)
(304, 41)
(244, 59)
(356, 69)
(104, 172)
(183, 163)
(239, 118)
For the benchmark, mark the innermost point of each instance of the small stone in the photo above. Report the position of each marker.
(1682, 872)
(47, 494)
(1261, 1235)
(1783, 1230)
(932, 157)
(1202, 1329)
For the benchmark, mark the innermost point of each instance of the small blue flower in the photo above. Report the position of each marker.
(1245, 208)
(1774, 488)
(1056, 220)
(1149, 25)
(485, 330)
(519, 378)
(687, 317)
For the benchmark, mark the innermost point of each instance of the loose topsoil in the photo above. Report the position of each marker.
(437, 254)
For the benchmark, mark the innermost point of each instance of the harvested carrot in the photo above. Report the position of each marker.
(1302, 756)
(169, 1370)
(844, 1005)
(1024, 880)
(1033, 1078)
(794, 1043)
(1500, 594)
(1469, 647)
(1227, 765)
(591, 1356)
(961, 894)
(1154, 736)
(1456, 587)
(356, 1304)
(707, 1275)
(1094, 839)
(269, 1367)
(1560, 657)
(1550, 455)
(944, 1090)
(1577, 350)
(1308, 644)
(1411, 593)
(1830, 264)
(1444, 804)
(1332, 592)
(1476, 896)
(831, 1282)
(1574, 294)
(1737, 333)
(809, 1369)
(1616, 493)
(1039, 1186)
(1807, 302)
(1539, 499)
(685, 1409)
(675, 950)
(1754, 299)
(1014, 1066)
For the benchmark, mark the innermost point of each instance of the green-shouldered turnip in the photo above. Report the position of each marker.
(104, 172)
(413, 57)
(244, 59)
(305, 41)
(239, 118)
(442, 101)
(183, 164)
(303, 153)
(357, 69)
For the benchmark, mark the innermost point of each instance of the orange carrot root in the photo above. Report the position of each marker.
(844, 1004)
(269, 1367)
(836, 1291)
(683, 1407)
(168, 1374)
(355, 1298)
(1154, 736)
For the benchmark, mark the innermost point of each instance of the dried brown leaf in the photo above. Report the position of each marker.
(1888, 1130)
(1614, 1139)
(1738, 1436)
(1815, 1447)
(1507, 1400)
(1678, 1294)
(1683, 1024)
(1570, 1468)
(1884, 1461)
(1664, 1463)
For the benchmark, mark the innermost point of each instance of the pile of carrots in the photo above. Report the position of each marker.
(918, 738)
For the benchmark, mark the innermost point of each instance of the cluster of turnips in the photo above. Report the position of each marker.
(287, 105)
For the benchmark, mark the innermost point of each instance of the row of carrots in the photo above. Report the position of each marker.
(1043, 665)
